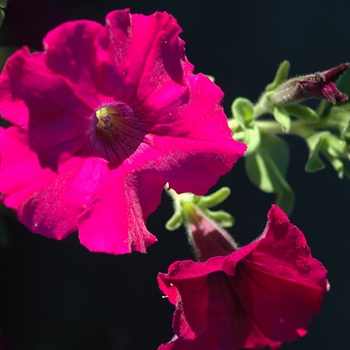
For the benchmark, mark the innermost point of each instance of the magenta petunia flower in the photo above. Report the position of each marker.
(259, 295)
(103, 118)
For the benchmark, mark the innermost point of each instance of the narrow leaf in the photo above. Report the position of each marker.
(302, 112)
(281, 76)
(267, 169)
(282, 117)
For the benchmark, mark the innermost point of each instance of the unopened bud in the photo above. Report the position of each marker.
(319, 85)
(206, 237)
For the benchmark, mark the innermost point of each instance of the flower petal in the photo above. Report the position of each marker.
(71, 53)
(144, 52)
(115, 223)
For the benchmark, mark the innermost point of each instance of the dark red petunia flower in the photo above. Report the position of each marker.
(259, 295)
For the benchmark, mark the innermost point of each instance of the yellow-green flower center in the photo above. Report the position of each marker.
(107, 118)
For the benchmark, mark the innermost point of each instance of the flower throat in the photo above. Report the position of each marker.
(107, 118)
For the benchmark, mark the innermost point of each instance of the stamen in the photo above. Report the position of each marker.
(107, 117)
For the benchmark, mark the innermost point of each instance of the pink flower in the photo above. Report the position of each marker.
(103, 118)
(260, 295)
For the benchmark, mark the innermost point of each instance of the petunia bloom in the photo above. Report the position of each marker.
(103, 119)
(260, 295)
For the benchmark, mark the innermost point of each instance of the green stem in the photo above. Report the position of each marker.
(263, 106)
(297, 127)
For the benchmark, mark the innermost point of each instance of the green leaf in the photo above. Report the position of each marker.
(267, 169)
(3, 3)
(338, 165)
(243, 112)
(338, 117)
(302, 112)
(252, 139)
(346, 106)
(334, 146)
(281, 76)
(314, 143)
(345, 133)
(282, 117)
(336, 150)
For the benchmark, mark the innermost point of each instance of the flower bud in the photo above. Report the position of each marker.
(319, 85)
(206, 237)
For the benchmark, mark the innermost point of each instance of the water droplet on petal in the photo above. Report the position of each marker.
(173, 271)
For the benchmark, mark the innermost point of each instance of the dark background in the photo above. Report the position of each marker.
(57, 295)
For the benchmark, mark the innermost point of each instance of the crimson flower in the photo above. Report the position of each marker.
(103, 119)
(262, 294)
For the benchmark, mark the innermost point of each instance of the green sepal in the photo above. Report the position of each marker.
(302, 112)
(215, 198)
(267, 169)
(3, 3)
(315, 143)
(282, 116)
(221, 217)
(243, 112)
(189, 200)
(175, 221)
(281, 76)
(196, 199)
